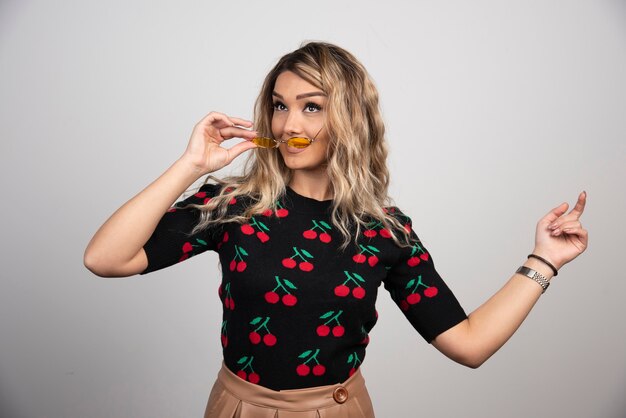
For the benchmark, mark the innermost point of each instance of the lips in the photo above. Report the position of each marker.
(292, 150)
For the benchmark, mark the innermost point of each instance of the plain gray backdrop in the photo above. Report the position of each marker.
(496, 112)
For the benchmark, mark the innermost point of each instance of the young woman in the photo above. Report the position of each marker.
(305, 237)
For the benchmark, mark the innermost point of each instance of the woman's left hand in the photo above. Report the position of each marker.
(560, 237)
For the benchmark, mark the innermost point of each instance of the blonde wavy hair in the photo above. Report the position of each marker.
(356, 154)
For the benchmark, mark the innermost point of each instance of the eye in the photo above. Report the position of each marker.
(312, 107)
(279, 106)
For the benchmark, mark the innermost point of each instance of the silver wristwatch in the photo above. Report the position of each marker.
(536, 276)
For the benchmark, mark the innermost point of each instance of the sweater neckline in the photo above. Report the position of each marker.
(301, 203)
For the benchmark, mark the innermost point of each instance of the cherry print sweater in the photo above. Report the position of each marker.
(297, 309)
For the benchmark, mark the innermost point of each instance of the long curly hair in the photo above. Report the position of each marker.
(356, 154)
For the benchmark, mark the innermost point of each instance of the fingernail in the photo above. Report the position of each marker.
(552, 226)
(556, 232)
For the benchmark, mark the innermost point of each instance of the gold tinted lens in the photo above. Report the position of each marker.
(264, 142)
(299, 142)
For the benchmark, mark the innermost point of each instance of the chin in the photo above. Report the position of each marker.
(301, 162)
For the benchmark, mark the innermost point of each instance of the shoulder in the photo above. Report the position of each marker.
(397, 214)
(200, 196)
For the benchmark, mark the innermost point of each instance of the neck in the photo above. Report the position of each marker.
(311, 184)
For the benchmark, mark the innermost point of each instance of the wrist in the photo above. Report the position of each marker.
(187, 169)
(557, 264)
(540, 267)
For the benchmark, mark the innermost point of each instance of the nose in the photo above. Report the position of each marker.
(293, 125)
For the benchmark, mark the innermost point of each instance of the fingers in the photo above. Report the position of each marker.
(557, 223)
(241, 122)
(221, 121)
(555, 213)
(580, 205)
(237, 132)
(565, 227)
(241, 147)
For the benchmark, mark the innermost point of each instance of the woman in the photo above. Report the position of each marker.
(305, 237)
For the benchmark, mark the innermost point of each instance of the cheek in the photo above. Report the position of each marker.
(277, 127)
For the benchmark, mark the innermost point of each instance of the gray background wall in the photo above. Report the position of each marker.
(496, 112)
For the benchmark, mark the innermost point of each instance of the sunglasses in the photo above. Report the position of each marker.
(295, 142)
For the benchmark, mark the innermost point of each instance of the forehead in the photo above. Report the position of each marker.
(290, 84)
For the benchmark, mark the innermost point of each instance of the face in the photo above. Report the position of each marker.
(299, 112)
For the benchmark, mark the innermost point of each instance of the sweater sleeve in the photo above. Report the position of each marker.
(422, 295)
(172, 240)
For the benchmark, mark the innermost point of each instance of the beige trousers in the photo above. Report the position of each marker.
(233, 397)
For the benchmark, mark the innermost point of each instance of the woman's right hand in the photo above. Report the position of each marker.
(205, 152)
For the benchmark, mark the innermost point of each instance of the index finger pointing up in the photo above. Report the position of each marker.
(580, 205)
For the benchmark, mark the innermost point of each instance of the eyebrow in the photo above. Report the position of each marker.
(303, 95)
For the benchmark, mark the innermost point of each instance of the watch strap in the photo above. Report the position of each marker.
(534, 275)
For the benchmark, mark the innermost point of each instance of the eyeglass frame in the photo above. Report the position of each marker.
(277, 142)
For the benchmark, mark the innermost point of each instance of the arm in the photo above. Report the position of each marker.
(559, 239)
(116, 250)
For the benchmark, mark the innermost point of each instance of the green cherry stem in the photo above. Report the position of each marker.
(334, 318)
(264, 324)
(249, 364)
(313, 357)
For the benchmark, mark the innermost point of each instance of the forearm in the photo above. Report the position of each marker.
(116, 249)
(487, 328)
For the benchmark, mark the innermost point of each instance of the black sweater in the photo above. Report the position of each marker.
(297, 309)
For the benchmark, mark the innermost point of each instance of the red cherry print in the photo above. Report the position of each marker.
(325, 237)
(271, 297)
(352, 371)
(370, 233)
(242, 374)
(342, 290)
(372, 260)
(269, 340)
(247, 229)
(366, 340)
(220, 290)
(227, 303)
(319, 370)
(225, 238)
(413, 298)
(262, 236)
(359, 258)
(424, 256)
(255, 337)
(254, 378)
(289, 263)
(305, 266)
(224, 341)
(385, 233)
(232, 201)
(281, 213)
(267, 212)
(404, 305)
(187, 247)
(431, 292)
(358, 292)
(289, 300)
(183, 257)
(233, 265)
(232, 304)
(241, 266)
(413, 261)
(338, 330)
(323, 330)
(303, 370)
(309, 234)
